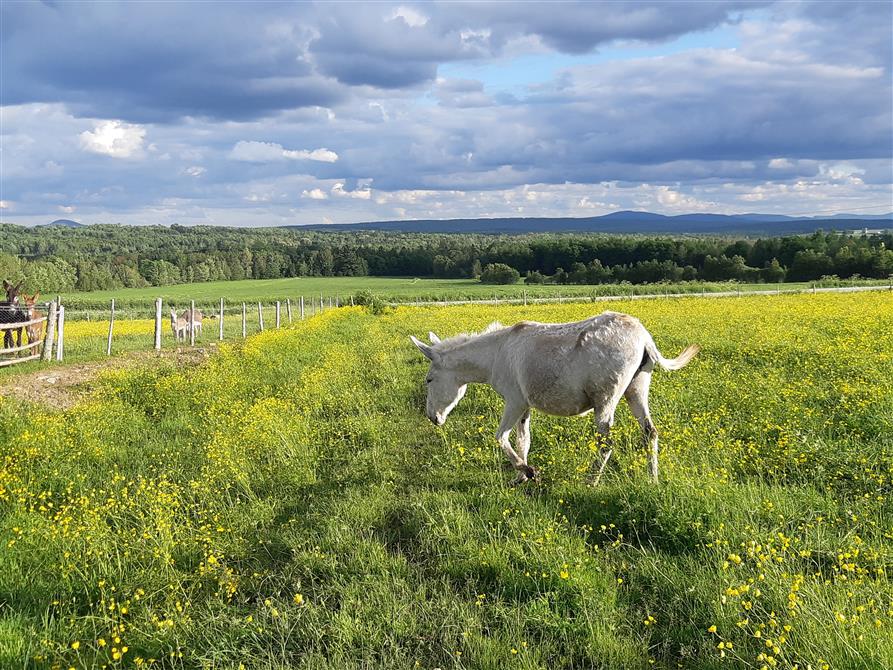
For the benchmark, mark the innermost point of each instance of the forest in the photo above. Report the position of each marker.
(103, 257)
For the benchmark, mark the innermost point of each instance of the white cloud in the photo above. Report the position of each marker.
(67, 209)
(411, 16)
(268, 152)
(780, 163)
(115, 139)
(5, 204)
(315, 194)
(194, 171)
(362, 193)
(673, 200)
(842, 172)
(321, 155)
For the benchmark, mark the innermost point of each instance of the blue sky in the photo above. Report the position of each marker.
(278, 113)
(515, 72)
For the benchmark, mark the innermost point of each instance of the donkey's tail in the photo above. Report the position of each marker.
(670, 363)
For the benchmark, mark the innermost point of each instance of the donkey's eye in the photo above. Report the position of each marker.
(429, 380)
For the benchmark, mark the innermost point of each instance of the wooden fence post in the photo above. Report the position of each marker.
(321, 301)
(288, 308)
(351, 299)
(60, 339)
(302, 308)
(244, 321)
(192, 323)
(157, 324)
(108, 348)
(51, 333)
(260, 316)
(278, 312)
(220, 325)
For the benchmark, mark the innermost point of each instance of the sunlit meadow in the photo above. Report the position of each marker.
(287, 504)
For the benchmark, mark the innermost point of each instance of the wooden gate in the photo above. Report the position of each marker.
(32, 350)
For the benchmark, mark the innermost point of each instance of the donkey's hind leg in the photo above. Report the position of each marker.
(637, 397)
(603, 423)
(522, 436)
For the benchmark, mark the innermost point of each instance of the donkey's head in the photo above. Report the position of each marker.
(444, 389)
(29, 301)
(12, 291)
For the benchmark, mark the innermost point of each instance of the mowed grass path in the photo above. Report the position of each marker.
(287, 504)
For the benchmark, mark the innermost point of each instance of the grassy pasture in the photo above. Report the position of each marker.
(287, 504)
(139, 302)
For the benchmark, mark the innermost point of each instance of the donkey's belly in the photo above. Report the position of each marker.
(560, 401)
(562, 384)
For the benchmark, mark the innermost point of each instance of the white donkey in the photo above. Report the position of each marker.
(196, 318)
(565, 369)
(180, 325)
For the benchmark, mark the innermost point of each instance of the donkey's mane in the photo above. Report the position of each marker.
(462, 338)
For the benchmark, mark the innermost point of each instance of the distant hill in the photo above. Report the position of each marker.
(627, 222)
(66, 223)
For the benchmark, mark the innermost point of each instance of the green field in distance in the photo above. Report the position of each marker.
(398, 289)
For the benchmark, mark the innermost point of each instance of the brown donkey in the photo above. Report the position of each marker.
(34, 330)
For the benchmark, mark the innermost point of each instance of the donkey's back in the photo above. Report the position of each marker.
(569, 368)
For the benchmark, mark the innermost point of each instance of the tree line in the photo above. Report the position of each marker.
(105, 257)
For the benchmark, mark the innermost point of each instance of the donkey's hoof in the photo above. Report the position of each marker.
(525, 473)
(519, 479)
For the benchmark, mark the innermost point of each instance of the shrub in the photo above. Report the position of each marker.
(368, 299)
(499, 273)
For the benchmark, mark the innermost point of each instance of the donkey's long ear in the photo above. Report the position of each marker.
(6, 285)
(424, 348)
(433, 337)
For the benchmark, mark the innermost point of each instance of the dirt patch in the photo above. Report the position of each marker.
(61, 387)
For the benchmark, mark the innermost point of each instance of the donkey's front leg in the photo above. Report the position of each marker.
(512, 414)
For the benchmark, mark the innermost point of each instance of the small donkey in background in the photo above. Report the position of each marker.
(180, 323)
(34, 330)
(180, 326)
(11, 312)
(196, 319)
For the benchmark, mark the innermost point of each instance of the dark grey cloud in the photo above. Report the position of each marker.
(157, 62)
(582, 27)
(160, 61)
